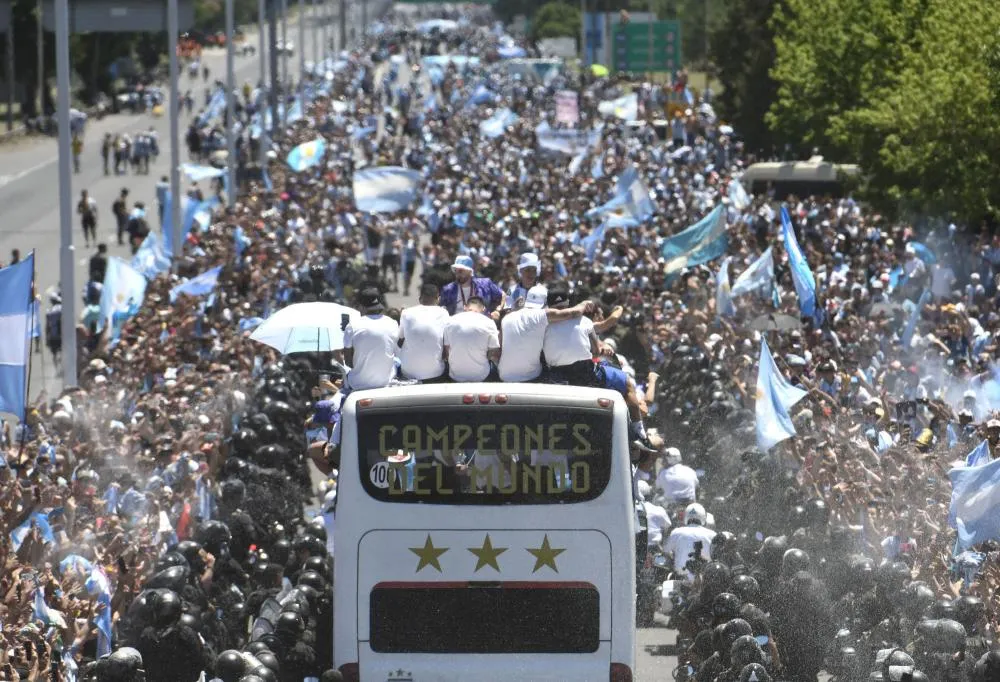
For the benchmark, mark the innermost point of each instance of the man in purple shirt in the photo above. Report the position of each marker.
(454, 295)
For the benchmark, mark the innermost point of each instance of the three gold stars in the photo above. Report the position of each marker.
(546, 555)
(487, 554)
(429, 554)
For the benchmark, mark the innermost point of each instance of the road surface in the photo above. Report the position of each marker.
(29, 185)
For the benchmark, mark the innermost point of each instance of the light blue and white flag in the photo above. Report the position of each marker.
(151, 259)
(923, 253)
(576, 163)
(630, 204)
(481, 95)
(497, 124)
(594, 240)
(98, 585)
(122, 296)
(196, 172)
(802, 277)
(704, 241)
(773, 399)
(201, 285)
(979, 456)
(975, 504)
(240, 241)
(758, 277)
(724, 306)
(307, 155)
(16, 283)
(911, 325)
(597, 167)
(216, 107)
(625, 107)
(738, 196)
(206, 501)
(41, 521)
(386, 189)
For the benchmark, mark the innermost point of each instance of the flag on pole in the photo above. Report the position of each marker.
(773, 399)
(802, 277)
(204, 283)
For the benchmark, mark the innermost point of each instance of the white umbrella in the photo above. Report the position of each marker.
(306, 328)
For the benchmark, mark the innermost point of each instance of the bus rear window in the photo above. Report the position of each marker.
(548, 618)
(485, 455)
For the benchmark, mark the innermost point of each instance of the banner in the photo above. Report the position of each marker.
(386, 189)
(570, 142)
(567, 107)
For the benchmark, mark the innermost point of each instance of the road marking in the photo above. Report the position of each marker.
(7, 179)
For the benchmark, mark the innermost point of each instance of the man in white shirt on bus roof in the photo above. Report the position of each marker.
(682, 540)
(522, 334)
(370, 344)
(677, 482)
(471, 343)
(421, 337)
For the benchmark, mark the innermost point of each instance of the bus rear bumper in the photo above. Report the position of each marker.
(378, 667)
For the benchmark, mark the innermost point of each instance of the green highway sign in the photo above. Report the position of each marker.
(631, 51)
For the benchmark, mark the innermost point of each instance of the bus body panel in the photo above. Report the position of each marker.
(374, 541)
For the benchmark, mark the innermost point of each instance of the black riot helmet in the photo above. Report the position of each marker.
(315, 529)
(987, 668)
(725, 606)
(264, 673)
(793, 561)
(213, 535)
(230, 666)
(170, 559)
(744, 651)
(312, 579)
(771, 553)
(280, 550)
(746, 588)
(257, 647)
(317, 564)
(714, 578)
(245, 441)
(289, 624)
(269, 660)
(172, 578)
(917, 598)
(969, 610)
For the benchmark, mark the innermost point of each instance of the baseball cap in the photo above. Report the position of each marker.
(558, 297)
(370, 299)
(527, 260)
(463, 263)
(537, 295)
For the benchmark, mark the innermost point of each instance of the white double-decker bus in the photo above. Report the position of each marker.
(484, 532)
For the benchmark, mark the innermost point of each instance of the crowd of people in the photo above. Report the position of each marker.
(159, 508)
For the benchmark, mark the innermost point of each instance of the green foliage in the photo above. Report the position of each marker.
(906, 88)
(556, 20)
(742, 52)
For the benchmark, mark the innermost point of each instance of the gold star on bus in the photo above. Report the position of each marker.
(487, 554)
(546, 555)
(429, 555)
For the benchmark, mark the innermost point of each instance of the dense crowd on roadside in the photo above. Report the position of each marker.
(168, 490)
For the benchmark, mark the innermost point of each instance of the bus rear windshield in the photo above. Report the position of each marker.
(500, 619)
(485, 455)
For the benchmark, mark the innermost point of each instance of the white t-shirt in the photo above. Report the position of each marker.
(657, 524)
(469, 336)
(681, 544)
(568, 341)
(523, 339)
(373, 338)
(678, 483)
(422, 330)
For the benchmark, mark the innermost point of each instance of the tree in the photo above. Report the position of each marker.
(833, 57)
(556, 20)
(742, 52)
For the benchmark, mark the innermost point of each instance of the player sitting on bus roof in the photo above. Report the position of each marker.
(370, 345)
(570, 347)
(421, 338)
(472, 344)
(522, 333)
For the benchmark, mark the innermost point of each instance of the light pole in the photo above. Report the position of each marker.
(284, 65)
(174, 219)
(40, 37)
(230, 113)
(262, 23)
(261, 103)
(302, 47)
(67, 276)
(317, 29)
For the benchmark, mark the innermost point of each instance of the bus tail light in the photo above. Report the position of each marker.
(352, 674)
(468, 398)
(604, 402)
(501, 399)
(365, 402)
(484, 398)
(619, 673)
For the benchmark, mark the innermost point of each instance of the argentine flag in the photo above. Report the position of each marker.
(15, 333)
(773, 399)
(306, 155)
(122, 296)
